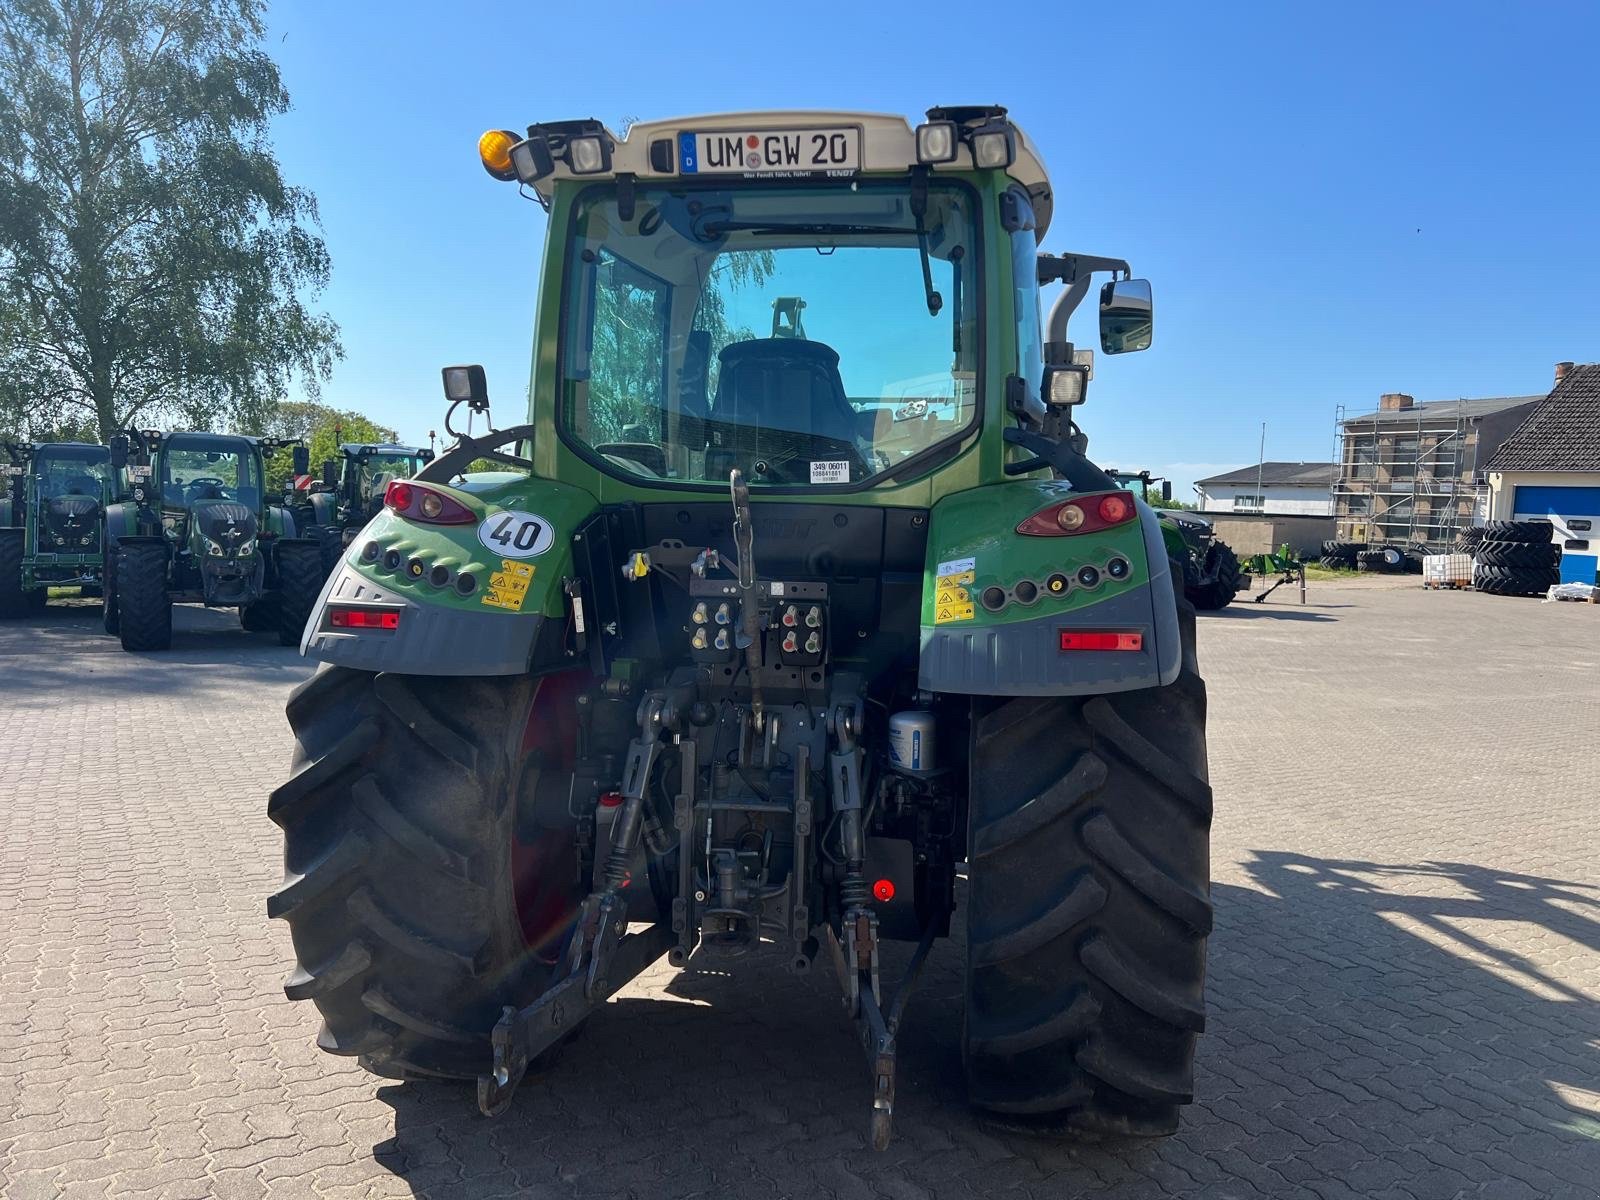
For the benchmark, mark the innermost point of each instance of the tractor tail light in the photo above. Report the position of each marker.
(1087, 514)
(1095, 639)
(342, 616)
(423, 504)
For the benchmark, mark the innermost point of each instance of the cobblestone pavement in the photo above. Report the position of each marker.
(1404, 974)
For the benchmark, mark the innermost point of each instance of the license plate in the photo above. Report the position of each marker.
(783, 152)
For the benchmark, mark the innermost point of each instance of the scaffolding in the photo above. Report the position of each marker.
(1406, 477)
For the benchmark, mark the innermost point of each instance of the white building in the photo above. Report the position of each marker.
(1280, 488)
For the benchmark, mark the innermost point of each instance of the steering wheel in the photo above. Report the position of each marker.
(204, 481)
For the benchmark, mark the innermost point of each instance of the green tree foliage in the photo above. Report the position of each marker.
(323, 428)
(154, 264)
(630, 353)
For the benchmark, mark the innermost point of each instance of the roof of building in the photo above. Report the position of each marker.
(1469, 409)
(1279, 474)
(1562, 433)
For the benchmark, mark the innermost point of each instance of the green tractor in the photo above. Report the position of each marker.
(351, 492)
(198, 527)
(791, 670)
(1212, 576)
(52, 517)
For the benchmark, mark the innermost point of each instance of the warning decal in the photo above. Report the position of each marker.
(951, 599)
(508, 587)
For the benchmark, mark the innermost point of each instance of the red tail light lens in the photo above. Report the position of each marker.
(423, 504)
(1114, 510)
(1085, 639)
(883, 890)
(1087, 514)
(344, 617)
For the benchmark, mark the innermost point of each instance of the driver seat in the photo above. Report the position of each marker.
(783, 386)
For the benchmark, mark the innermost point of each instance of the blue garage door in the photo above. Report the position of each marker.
(1575, 512)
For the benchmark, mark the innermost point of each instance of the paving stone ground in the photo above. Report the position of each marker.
(1404, 987)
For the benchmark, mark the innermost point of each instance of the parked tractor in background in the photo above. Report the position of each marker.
(197, 528)
(351, 492)
(52, 520)
(1212, 576)
(734, 654)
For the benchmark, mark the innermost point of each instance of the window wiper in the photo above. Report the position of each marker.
(919, 212)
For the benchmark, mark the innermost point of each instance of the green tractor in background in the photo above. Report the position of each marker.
(732, 653)
(198, 527)
(350, 492)
(52, 518)
(1212, 576)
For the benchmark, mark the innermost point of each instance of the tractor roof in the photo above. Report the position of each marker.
(888, 144)
(359, 448)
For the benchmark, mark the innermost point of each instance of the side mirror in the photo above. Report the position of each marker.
(1127, 315)
(330, 474)
(466, 384)
(119, 451)
(301, 457)
(1166, 491)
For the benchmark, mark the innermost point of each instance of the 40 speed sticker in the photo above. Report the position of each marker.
(516, 534)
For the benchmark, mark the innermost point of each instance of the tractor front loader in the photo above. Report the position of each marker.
(761, 643)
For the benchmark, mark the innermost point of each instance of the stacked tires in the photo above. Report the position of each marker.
(1340, 556)
(1516, 558)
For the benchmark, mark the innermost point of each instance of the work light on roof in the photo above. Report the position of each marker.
(993, 147)
(588, 155)
(531, 160)
(937, 142)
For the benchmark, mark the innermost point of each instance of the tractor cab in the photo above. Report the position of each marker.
(357, 479)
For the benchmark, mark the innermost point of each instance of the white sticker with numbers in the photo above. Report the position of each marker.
(836, 470)
(517, 534)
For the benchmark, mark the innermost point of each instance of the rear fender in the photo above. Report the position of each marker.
(996, 603)
(467, 604)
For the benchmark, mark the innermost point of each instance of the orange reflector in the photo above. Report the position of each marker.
(884, 890)
(1079, 639)
(363, 618)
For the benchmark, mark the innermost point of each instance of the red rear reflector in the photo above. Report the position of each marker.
(610, 799)
(363, 618)
(398, 496)
(1077, 639)
(1114, 509)
(884, 890)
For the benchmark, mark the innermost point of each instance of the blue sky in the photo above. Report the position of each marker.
(1332, 201)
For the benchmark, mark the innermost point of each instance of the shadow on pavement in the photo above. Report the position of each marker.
(1241, 610)
(48, 655)
(1359, 1034)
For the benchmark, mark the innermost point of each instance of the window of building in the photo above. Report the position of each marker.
(1249, 503)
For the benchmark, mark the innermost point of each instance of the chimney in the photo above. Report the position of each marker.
(1561, 371)
(1393, 401)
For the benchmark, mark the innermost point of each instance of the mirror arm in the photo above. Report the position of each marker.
(1075, 271)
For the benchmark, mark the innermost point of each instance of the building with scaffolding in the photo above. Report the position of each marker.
(1414, 473)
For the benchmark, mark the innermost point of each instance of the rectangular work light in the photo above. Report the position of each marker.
(936, 142)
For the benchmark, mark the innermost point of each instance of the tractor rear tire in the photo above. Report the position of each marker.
(1223, 567)
(1519, 556)
(109, 617)
(330, 545)
(1088, 906)
(1518, 531)
(300, 577)
(1507, 581)
(13, 600)
(401, 884)
(144, 610)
